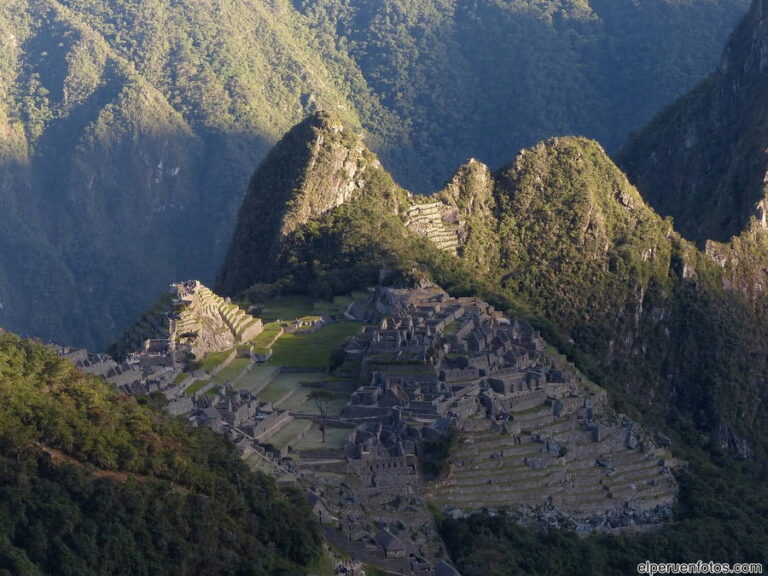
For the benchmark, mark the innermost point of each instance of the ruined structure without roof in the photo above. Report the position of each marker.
(535, 434)
(535, 437)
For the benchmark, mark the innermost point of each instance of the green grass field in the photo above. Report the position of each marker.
(194, 387)
(284, 383)
(338, 305)
(261, 342)
(284, 436)
(257, 377)
(312, 350)
(286, 308)
(211, 361)
(313, 440)
(309, 407)
(232, 371)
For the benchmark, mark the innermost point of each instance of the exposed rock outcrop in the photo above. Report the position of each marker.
(316, 167)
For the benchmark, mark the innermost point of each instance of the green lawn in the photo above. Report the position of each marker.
(211, 361)
(286, 308)
(232, 371)
(261, 342)
(312, 350)
(257, 377)
(283, 384)
(335, 406)
(213, 391)
(283, 436)
(313, 440)
(194, 387)
(338, 305)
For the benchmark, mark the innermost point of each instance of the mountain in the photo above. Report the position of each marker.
(559, 234)
(487, 78)
(702, 161)
(96, 482)
(128, 131)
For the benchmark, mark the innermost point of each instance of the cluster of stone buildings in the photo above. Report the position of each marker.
(237, 413)
(430, 361)
(435, 357)
(426, 363)
(152, 369)
(433, 362)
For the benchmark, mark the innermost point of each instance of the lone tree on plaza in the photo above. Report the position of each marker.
(322, 398)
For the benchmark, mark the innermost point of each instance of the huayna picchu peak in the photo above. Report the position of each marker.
(131, 128)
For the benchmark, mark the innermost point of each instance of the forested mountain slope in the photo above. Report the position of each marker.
(703, 161)
(128, 130)
(96, 482)
(489, 77)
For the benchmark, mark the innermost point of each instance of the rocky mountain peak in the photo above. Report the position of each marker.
(317, 166)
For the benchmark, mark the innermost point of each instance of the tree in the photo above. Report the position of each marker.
(322, 398)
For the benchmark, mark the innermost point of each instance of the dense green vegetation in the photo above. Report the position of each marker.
(95, 482)
(435, 453)
(700, 160)
(721, 517)
(559, 236)
(487, 78)
(128, 130)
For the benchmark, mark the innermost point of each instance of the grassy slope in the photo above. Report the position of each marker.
(312, 350)
(163, 111)
(487, 78)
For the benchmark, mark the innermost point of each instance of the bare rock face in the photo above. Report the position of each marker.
(334, 174)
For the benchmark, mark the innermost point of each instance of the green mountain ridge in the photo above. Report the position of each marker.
(128, 131)
(125, 147)
(563, 236)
